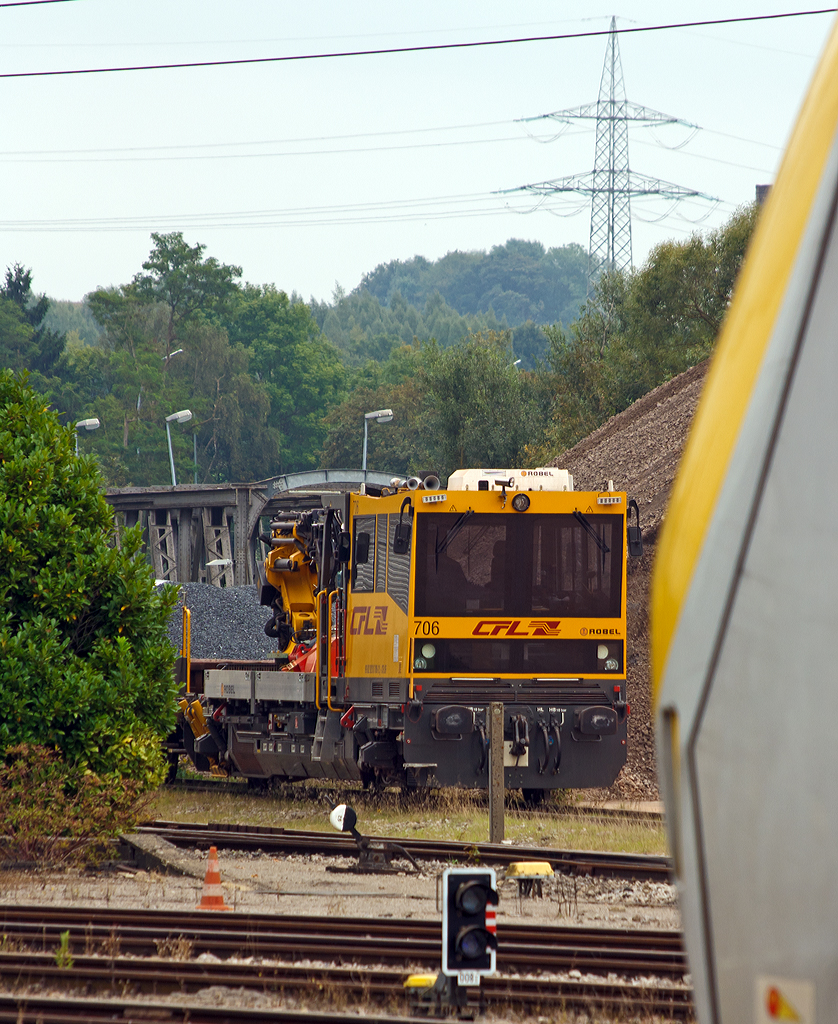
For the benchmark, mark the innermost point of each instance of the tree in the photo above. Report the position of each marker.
(27, 343)
(397, 447)
(184, 282)
(85, 662)
(642, 328)
(300, 370)
(479, 409)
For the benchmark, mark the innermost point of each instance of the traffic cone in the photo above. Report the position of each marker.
(213, 897)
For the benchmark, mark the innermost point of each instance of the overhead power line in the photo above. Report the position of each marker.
(33, 3)
(461, 206)
(429, 47)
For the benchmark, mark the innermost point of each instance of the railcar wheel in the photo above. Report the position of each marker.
(533, 797)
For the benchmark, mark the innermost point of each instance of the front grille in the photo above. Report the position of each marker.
(512, 691)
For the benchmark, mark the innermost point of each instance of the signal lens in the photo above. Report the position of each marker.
(420, 663)
(471, 901)
(521, 502)
(612, 665)
(471, 945)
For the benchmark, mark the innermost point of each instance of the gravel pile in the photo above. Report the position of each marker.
(639, 449)
(227, 622)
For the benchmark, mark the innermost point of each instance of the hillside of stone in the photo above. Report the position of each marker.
(639, 450)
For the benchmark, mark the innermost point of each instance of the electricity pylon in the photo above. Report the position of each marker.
(612, 183)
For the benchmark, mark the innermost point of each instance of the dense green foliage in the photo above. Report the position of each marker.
(643, 328)
(362, 328)
(75, 319)
(517, 286)
(464, 405)
(249, 363)
(518, 281)
(276, 385)
(57, 813)
(85, 662)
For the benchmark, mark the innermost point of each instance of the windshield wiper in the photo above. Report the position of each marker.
(452, 533)
(586, 526)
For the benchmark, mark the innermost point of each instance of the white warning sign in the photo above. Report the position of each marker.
(784, 999)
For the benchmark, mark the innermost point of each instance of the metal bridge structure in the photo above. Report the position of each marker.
(209, 533)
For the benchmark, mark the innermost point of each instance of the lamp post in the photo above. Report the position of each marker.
(380, 416)
(91, 424)
(177, 417)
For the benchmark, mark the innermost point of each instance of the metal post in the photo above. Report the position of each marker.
(195, 454)
(496, 784)
(363, 487)
(171, 457)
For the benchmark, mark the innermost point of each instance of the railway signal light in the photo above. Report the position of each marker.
(469, 940)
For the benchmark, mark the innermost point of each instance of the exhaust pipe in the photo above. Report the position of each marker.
(414, 483)
(431, 482)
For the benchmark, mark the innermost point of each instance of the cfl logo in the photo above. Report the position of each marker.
(369, 621)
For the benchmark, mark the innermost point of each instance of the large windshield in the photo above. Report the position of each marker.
(514, 564)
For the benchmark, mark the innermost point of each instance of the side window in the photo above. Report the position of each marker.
(363, 573)
(398, 568)
(380, 553)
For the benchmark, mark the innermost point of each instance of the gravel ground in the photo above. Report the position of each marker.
(227, 622)
(318, 885)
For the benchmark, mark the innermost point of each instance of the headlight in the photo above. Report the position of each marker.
(420, 664)
(612, 665)
(521, 502)
(428, 650)
(602, 652)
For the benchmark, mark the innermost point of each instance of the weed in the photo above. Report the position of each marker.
(53, 813)
(63, 957)
(112, 945)
(172, 948)
(455, 814)
(10, 945)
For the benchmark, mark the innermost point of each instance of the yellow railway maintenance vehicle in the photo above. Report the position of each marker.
(744, 614)
(400, 616)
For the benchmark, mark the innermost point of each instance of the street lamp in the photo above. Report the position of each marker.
(91, 424)
(380, 416)
(177, 417)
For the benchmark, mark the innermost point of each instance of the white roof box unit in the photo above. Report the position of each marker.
(548, 479)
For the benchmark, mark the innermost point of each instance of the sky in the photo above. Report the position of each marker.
(309, 173)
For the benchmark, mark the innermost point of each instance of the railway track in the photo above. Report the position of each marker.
(333, 986)
(408, 944)
(642, 867)
(130, 952)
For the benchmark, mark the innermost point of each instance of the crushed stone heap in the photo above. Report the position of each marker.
(639, 449)
(227, 622)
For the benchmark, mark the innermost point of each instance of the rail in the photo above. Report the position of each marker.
(636, 867)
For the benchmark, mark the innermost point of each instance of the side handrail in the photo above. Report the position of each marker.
(186, 650)
(317, 602)
(329, 704)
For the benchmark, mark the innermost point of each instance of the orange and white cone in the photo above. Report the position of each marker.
(213, 897)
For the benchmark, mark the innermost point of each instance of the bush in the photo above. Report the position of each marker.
(52, 813)
(85, 663)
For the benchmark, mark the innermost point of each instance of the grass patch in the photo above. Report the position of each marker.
(460, 815)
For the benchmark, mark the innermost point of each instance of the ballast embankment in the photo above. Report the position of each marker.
(639, 449)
